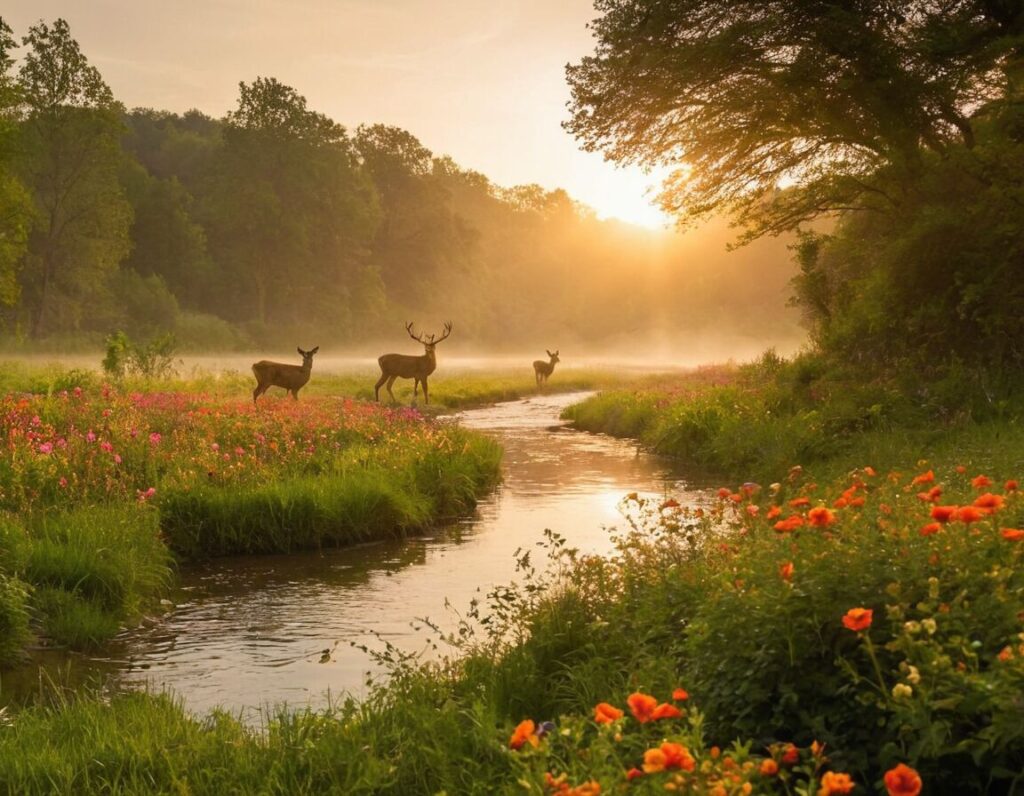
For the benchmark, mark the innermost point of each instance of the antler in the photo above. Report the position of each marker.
(447, 331)
(417, 338)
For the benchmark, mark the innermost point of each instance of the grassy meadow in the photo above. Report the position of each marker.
(851, 625)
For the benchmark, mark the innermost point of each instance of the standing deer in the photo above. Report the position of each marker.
(406, 366)
(276, 374)
(542, 369)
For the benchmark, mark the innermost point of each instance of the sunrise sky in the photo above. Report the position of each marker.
(482, 82)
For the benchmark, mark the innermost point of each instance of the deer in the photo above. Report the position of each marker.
(542, 369)
(276, 374)
(407, 366)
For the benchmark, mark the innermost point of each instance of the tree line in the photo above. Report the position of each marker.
(276, 224)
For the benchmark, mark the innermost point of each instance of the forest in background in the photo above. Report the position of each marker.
(275, 226)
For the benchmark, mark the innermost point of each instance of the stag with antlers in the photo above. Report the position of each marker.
(406, 366)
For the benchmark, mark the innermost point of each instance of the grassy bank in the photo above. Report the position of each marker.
(101, 489)
(828, 635)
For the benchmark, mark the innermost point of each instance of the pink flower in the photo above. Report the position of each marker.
(90, 437)
(106, 447)
(154, 438)
(45, 448)
(117, 458)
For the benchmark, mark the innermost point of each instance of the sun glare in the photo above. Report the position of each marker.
(627, 194)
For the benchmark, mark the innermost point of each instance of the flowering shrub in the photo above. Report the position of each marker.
(890, 629)
(82, 447)
(616, 753)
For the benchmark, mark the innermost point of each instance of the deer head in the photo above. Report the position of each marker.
(554, 357)
(307, 356)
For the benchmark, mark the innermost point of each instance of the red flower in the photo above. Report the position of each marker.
(786, 571)
(606, 714)
(800, 501)
(680, 695)
(821, 517)
(790, 755)
(723, 493)
(924, 478)
(642, 706)
(791, 523)
(930, 528)
(634, 773)
(769, 768)
(666, 711)
(902, 781)
(1010, 486)
(989, 501)
(969, 514)
(981, 481)
(858, 619)
(1012, 534)
(857, 501)
(773, 512)
(870, 471)
(943, 513)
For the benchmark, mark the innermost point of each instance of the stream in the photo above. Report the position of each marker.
(249, 633)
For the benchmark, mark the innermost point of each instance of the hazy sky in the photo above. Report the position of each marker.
(481, 81)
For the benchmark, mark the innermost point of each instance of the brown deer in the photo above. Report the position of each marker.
(406, 366)
(276, 374)
(542, 369)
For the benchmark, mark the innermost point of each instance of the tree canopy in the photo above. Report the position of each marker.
(781, 111)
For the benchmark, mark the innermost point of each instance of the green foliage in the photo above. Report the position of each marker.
(152, 360)
(14, 619)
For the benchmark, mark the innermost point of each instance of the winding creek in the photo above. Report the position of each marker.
(248, 633)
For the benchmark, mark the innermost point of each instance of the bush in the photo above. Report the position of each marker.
(152, 360)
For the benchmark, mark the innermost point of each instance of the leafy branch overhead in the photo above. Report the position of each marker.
(780, 111)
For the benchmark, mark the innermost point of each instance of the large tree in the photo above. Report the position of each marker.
(70, 153)
(780, 110)
(291, 215)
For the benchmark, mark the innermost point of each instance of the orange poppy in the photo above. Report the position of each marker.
(786, 571)
(790, 755)
(666, 711)
(634, 773)
(981, 481)
(769, 768)
(930, 528)
(800, 501)
(821, 517)
(924, 478)
(902, 781)
(606, 714)
(858, 619)
(1012, 534)
(1010, 486)
(668, 756)
(773, 512)
(642, 706)
(943, 513)
(791, 523)
(680, 695)
(989, 501)
(857, 501)
(524, 733)
(969, 514)
(723, 493)
(833, 784)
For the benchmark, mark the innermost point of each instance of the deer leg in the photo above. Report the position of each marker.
(426, 398)
(260, 389)
(295, 394)
(415, 387)
(377, 386)
(391, 381)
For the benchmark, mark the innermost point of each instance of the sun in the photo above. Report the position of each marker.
(623, 193)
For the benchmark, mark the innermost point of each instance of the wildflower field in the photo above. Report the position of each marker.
(101, 489)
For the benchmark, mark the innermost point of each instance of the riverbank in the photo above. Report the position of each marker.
(809, 635)
(102, 490)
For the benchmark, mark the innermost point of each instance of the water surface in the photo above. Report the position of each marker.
(250, 632)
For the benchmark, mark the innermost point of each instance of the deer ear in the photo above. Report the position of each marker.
(301, 352)
(315, 350)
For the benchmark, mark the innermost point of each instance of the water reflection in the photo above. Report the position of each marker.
(256, 631)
